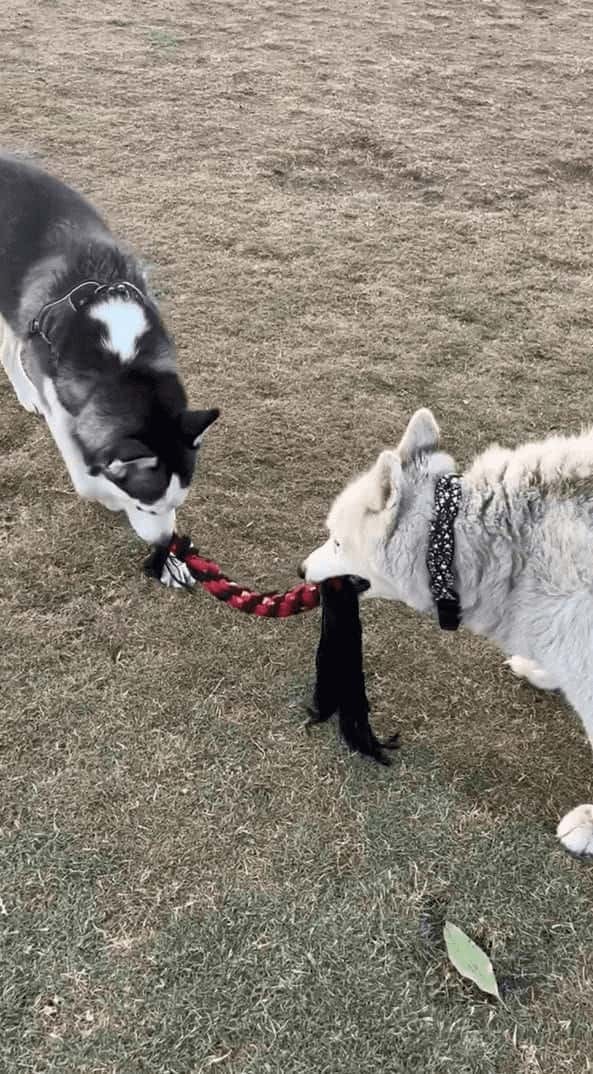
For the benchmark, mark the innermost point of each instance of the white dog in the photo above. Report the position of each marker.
(506, 548)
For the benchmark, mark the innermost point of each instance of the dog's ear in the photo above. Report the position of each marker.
(385, 481)
(193, 424)
(422, 434)
(125, 455)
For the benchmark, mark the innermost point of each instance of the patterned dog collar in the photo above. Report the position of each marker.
(441, 551)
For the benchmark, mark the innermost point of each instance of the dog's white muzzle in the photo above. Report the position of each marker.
(154, 529)
(325, 562)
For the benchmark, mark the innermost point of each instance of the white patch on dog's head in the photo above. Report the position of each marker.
(155, 522)
(363, 517)
(124, 322)
(357, 522)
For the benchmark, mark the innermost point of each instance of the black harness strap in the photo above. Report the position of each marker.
(80, 296)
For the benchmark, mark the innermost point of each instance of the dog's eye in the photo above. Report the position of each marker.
(336, 543)
(145, 510)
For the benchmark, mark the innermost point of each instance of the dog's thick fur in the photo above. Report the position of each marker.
(103, 373)
(523, 556)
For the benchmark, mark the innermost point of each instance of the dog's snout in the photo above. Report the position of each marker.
(301, 569)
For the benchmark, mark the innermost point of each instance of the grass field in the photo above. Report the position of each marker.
(351, 209)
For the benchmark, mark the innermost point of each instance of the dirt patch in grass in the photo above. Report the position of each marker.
(350, 210)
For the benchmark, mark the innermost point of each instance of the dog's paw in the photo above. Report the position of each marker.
(520, 666)
(575, 831)
(527, 669)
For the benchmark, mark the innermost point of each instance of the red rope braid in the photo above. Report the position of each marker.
(302, 598)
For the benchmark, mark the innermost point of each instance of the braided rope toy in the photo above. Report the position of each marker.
(339, 686)
(180, 566)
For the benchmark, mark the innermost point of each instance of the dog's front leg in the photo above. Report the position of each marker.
(10, 356)
(575, 830)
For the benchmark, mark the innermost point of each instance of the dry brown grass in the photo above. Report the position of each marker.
(352, 209)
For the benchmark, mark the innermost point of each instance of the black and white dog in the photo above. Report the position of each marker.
(84, 345)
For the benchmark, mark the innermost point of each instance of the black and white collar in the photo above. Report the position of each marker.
(441, 551)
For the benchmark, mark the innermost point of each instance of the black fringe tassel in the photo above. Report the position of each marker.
(340, 686)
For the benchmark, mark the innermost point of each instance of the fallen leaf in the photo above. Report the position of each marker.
(469, 959)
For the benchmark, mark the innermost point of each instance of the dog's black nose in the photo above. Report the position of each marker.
(301, 570)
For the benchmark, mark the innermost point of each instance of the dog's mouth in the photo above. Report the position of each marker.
(360, 585)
